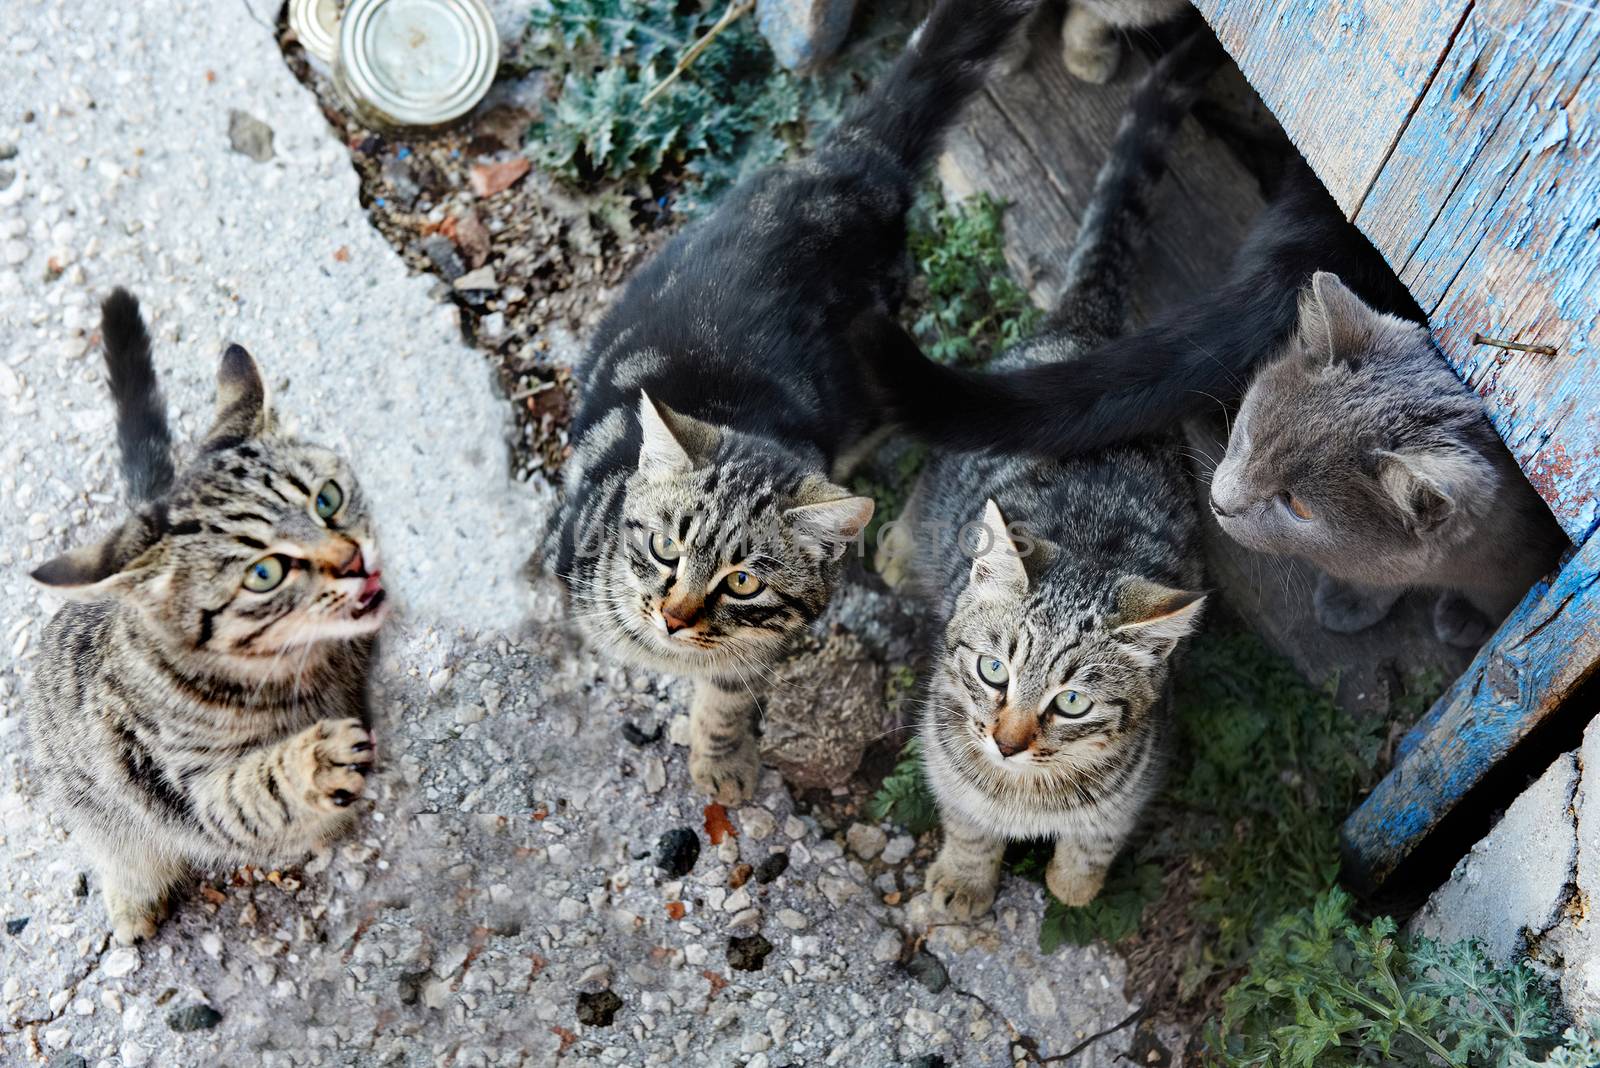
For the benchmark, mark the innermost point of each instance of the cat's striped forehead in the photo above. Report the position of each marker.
(259, 492)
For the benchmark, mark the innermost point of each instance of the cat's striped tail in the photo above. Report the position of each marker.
(141, 412)
(909, 108)
(1117, 218)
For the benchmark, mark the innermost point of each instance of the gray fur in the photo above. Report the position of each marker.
(180, 719)
(1089, 585)
(1405, 481)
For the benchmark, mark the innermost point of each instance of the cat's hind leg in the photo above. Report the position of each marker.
(963, 880)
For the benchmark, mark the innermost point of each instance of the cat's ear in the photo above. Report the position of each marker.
(672, 442)
(119, 563)
(1156, 617)
(1430, 485)
(997, 570)
(241, 401)
(1336, 326)
(828, 517)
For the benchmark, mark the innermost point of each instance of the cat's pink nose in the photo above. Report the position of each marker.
(1008, 749)
(355, 565)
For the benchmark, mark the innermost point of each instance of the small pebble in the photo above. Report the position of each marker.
(775, 865)
(677, 851)
(599, 1009)
(195, 1017)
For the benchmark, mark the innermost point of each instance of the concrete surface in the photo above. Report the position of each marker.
(499, 903)
(1509, 891)
(1528, 888)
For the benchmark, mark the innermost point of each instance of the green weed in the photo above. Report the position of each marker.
(734, 111)
(1326, 990)
(967, 306)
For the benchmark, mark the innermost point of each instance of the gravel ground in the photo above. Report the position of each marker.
(504, 901)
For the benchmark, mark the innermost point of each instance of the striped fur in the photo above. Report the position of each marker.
(1074, 583)
(178, 718)
(721, 395)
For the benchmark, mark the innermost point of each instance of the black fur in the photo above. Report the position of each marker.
(141, 411)
(1189, 359)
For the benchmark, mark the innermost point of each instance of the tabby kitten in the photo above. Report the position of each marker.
(1360, 451)
(1047, 709)
(201, 700)
(703, 523)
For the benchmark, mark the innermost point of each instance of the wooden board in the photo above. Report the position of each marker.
(1490, 208)
(1342, 77)
(1036, 139)
(1461, 139)
(1547, 648)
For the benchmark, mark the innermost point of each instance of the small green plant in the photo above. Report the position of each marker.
(1324, 990)
(733, 111)
(905, 796)
(968, 305)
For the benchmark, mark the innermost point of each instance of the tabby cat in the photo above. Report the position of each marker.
(1091, 42)
(1047, 709)
(201, 699)
(703, 524)
(1358, 449)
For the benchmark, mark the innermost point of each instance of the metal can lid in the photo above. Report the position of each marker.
(417, 62)
(316, 24)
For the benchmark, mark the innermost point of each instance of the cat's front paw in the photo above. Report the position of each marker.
(1457, 622)
(1346, 609)
(730, 778)
(1074, 886)
(1093, 63)
(133, 919)
(330, 762)
(958, 894)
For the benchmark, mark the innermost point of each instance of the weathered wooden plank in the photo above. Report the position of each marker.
(1273, 596)
(1489, 208)
(1341, 76)
(1037, 138)
(1547, 648)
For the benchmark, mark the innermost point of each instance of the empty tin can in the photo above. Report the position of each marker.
(316, 24)
(415, 63)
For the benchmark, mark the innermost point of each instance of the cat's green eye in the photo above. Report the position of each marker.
(665, 549)
(265, 574)
(993, 670)
(742, 584)
(330, 498)
(1072, 704)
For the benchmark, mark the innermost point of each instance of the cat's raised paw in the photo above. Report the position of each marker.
(959, 895)
(332, 760)
(729, 778)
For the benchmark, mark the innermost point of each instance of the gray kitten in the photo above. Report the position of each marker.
(1060, 606)
(1360, 451)
(202, 699)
